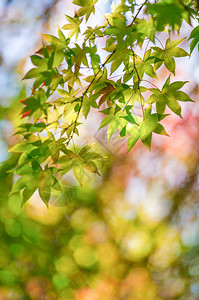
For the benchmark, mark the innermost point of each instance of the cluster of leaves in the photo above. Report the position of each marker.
(57, 67)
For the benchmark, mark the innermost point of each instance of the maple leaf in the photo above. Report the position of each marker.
(169, 95)
(73, 26)
(166, 55)
(195, 36)
(87, 7)
(26, 114)
(164, 14)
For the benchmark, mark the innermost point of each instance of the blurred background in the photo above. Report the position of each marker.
(131, 235)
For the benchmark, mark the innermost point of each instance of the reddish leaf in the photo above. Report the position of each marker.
(23, 101)
(26, 114)
(42, 121)
(43, 84)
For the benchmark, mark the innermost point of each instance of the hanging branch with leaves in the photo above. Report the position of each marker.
(132, 46)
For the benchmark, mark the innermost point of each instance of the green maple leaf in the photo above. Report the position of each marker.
(141, 66)
(88, 103)
(45, 183)
(33, 178)
(115, 120)
(73, 26)
(84, 158)
(166, 13)
(144, 129)
(92, 33)
(169, 96)
(87, 7)
(146, 28)
(120, 32)
(120, 56)
(34, 103)
(28, 182)
(195, 36)
(31, 128)
(53, 40)
(55, 146)
(166, 55)
(89, 159)
(133, 137)
(150, 124)
(80, 55)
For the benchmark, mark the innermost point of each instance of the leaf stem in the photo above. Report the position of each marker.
(159, 42)
(74, 146)
(151, 83)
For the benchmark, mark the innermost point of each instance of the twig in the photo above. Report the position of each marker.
(137, 13)
(139, 80)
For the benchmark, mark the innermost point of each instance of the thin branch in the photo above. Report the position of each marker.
(139, 80)
(146, 48)
(82, 98)
(137, 13)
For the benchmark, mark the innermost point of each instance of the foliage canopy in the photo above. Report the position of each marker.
(115, 87)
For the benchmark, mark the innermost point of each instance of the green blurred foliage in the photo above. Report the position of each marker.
(132, 236)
